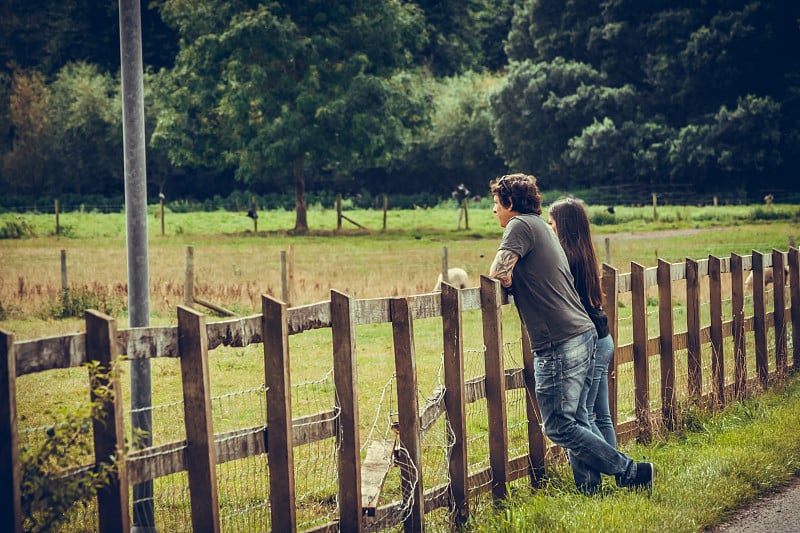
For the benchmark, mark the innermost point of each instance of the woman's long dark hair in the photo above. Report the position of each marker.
(572, 227)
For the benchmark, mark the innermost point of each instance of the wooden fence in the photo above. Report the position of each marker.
(203, 450)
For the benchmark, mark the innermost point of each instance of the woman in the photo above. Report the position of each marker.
(569, 220)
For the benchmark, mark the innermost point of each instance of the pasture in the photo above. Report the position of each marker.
(234, 266)
(234, 269)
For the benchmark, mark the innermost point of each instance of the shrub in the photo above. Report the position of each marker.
(75, 301)
(51, 484)
(17, 229)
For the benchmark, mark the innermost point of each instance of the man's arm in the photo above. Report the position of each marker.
(503, 266)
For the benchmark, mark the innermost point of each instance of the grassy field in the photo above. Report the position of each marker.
(234, 266)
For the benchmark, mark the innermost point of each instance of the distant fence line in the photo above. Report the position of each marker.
(203, 450)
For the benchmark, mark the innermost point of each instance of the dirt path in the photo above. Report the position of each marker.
(774, 513)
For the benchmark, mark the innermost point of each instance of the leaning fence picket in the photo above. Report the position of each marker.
(495, 384)
(610, 282)
(641, 366)
(453, 354)
(760, 319)
(11, 510)
(739, 334)
(408, 418)
(343, 335)
(200, 451)
(108, 429)
(717, 349)
(666, 336)
(779, 312)
(794, 284)
(280, 435)
(693, 340)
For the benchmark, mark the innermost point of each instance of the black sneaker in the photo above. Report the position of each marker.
(644, 477)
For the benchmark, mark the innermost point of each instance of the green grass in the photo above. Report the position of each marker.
(703, 475)
(420, 222)
(402, 260)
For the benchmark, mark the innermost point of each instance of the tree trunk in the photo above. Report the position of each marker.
(301, 221)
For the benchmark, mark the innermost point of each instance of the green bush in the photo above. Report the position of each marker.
(602, 218)
(17, 229)
(75, 301)
(51, 486)
(773, 213)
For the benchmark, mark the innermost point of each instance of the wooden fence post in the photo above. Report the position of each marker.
(385, 210)
(405, 361)
(108, 427)
(445, 269)
(739, 345)
(717, 353)
(779, 313)
(11, 509)
(285, 296)
(694, 353)
(338, 211)
(345, 378)
(794, 287)
(641, 368)
(454, 400)
(666, 328)
(58, 223)
(64, 282)
(536, 440)
(610, 282)
(492, 315)
(760, 319)
(280, 433)
(201, 460)
(188, 277)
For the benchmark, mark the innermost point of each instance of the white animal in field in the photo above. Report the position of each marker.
(768, 277)
(457, 277)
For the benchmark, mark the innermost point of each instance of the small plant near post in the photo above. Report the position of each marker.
(52, 482)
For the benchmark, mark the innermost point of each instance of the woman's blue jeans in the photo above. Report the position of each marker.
(563, 381)
(597, 399)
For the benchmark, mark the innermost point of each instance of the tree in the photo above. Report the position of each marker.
(707, 152)
(284, 87)
(25, 167)
(543, 105)
(86, 132)
(652, 91)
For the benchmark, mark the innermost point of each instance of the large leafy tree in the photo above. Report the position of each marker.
(655, 91)
(269, 89)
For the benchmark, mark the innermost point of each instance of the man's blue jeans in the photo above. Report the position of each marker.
(563, 381)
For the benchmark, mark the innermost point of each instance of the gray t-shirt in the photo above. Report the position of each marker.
(542, 285)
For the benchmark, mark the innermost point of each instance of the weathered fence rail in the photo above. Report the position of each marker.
(203, 449)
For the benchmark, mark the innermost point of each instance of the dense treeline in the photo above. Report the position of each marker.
(388, 96)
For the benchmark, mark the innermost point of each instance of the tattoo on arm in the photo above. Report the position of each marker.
(503, 266)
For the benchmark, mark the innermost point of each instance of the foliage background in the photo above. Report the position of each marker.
(684, 99)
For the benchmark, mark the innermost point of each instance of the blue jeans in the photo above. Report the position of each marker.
(597, 399)
(563, 381)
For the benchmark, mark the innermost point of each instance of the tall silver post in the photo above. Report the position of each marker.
(130, 33)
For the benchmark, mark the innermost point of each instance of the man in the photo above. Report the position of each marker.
(531, 263)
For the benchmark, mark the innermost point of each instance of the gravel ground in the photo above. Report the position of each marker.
(774, 513)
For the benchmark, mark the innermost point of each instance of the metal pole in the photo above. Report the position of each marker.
(130, 33)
